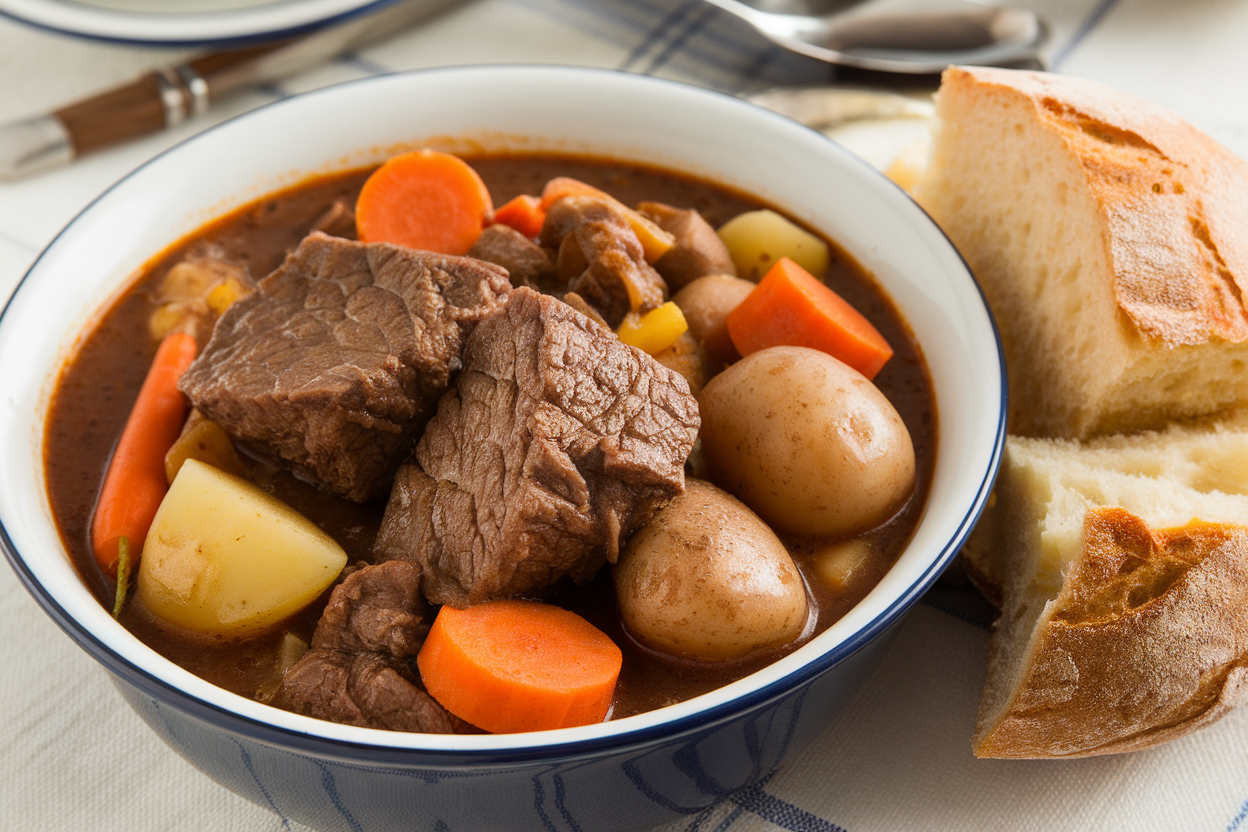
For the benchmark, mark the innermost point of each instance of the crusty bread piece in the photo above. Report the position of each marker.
(1123, 570)
(1111, 241)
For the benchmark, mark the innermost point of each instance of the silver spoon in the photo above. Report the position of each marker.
(911, 36)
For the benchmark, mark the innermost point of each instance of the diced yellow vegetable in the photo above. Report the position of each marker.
(224, 558)
(757, 239)
(840, 563)
(168, 317)
(655, 242)
(192, 279)
(205, 440)
(193, 291)
(223, 295)
(654, 331)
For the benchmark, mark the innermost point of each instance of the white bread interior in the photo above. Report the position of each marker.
(1123, 571)
(1111, 241)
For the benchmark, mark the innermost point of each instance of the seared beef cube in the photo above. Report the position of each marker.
(526, 261)
(357, 671)
(365, 689)
(377, 609)
(698, 250)
(556, 443)
(578, 303)
(600, 257)
(338, 359)
(338, 220)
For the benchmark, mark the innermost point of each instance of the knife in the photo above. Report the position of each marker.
(170, 95)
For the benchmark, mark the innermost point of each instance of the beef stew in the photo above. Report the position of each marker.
(94, 395)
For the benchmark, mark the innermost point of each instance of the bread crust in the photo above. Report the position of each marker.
(1173, 201)
(1147, 641)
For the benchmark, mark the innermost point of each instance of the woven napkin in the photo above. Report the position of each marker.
(898, 757)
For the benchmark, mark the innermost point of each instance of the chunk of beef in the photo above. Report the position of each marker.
(526, 261)
(600, 257)
(578, 303)
(338, 220)
(358, 670)
(365, 689)
(337, 361)
(556, 442)
(376, 609)
(698, 250)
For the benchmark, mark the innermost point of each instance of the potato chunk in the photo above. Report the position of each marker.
(224, 558)
(205, 440)
(757, 239)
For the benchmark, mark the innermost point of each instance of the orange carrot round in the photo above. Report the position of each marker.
(135, 483)
(524, 213)
(790, 307)
(424, 200)
(510, 666)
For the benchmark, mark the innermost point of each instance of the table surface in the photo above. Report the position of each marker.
(899, 756)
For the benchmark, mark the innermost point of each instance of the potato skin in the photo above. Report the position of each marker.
(705, 304)
(707, 579)
(806, 441)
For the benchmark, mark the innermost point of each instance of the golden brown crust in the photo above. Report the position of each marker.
(1147, 641)
(1174, 203)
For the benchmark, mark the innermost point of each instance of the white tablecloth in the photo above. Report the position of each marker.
(898, 758)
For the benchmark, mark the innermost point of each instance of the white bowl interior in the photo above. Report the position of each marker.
(516, 108)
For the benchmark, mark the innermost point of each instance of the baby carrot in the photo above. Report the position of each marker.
(524, 213)
(790, 307)
(424, 200)
(509, 666)
(135, 483)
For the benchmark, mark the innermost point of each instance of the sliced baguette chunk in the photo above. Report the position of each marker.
(1123, 571)
(1111, 241)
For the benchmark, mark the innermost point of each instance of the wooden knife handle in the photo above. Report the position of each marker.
(117, 115)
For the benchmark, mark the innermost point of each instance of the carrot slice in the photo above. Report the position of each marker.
(135, 483)
(424, 200)
(790, 307)
(510, 666)
(524, 213)
(655, 242)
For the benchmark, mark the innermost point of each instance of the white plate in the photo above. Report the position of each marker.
(186, 22)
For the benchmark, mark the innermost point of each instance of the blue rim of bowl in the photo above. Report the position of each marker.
(249, 38)
(431, 758)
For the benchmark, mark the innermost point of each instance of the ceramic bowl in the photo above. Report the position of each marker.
(623, 774)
